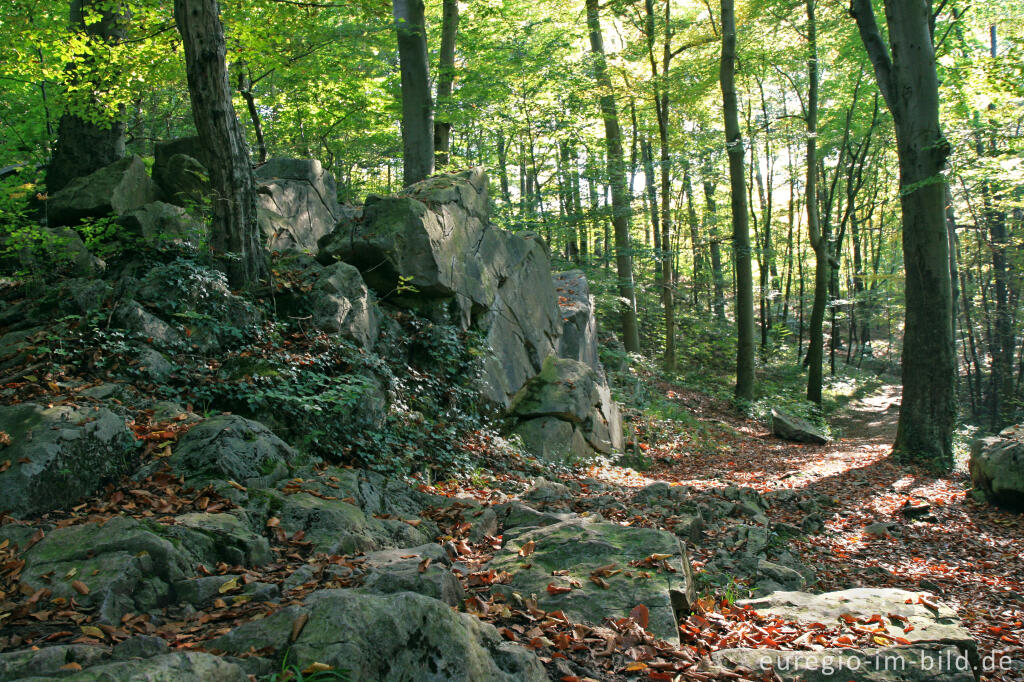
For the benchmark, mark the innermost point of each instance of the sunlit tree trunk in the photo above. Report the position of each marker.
(417, 106)
(815, 345)
(740, 225)
(907, 78)
(445, 80)
(621, 209)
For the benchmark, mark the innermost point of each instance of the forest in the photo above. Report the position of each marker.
(594, 339)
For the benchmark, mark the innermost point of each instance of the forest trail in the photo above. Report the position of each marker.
(872, 418)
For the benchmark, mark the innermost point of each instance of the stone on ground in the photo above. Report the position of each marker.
(664, 584)
(401, 636)
(228, 447)
(790, 427)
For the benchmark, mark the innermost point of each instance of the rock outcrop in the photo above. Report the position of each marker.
(116, 189)
(298, 204)
(997, 466)
(54, 456)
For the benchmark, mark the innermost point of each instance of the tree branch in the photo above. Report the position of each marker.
(878, 53)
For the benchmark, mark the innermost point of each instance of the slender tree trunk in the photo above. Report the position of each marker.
(87, 144)
(819, 242)
(245, 90)
(234, 232)
(699, 269)
(621, 209)
(909, 84)
(503, 167)
(417, 106)
(711, 218)
(740, 226)
(445, 80)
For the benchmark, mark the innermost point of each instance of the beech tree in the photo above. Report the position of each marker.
(417, 105)
(234, 233)
(905, 71)
(740, 217)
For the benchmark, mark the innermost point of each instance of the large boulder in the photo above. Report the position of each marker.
(159, 223)
(790, 427)
(301, 200)
(55, 456)
(180, 170)
(573, 392)
(229, 447)
(997, 466)
(579, 326)
(402, 636)
(343, 304)
(591, 571)
(124, 565)
(433, 249)
(116, 189)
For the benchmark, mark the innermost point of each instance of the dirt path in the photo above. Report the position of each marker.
(872, 418)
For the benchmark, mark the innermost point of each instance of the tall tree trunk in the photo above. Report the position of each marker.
(819, 241)
(909, 84)
(87, 144)
(445, 80)
(245, 84)
(699, 269)
(621, 208)
(234, 233)
(740, 225)
(417, 107)
(711, 219)
(503, 167)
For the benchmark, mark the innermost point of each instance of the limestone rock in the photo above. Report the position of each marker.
(304, 195)
(160, 223)
(402, 636)
(342, 304)
(177, 667)
(579, 326)
(26, 663)
(997, 466)
(790, 427)
(399, 570)
(116, 189)
(581, 547)
(228, 447)
(59, 455)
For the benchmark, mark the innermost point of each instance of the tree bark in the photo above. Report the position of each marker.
(909, 84)
(621, 209)
(445, 81)
(417, 107)
(234, 233)
(740, 225)
(84, 146)
(819, 241)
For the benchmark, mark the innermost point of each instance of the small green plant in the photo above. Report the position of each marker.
(315, 672)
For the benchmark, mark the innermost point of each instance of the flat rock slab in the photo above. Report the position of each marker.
(933, 662)
(401, 636)
(791, 427)
(580, 548)
(941, 626)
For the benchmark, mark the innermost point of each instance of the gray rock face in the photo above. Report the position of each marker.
(997, 466)
(342, 304)
(116, 189)
(574, 393)
(401, 570)
(178, 667)
(432, 249)
(233, 448)
(403, 636)
(59, 455)
(126, 566)
(166, 165)
(582, 548)
(579, 326)
(304, 196)
(25, 663)
(160, 223)
(790, 427)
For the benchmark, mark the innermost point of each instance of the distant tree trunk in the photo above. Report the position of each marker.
(711, 219)
(84, 146)
(417, 107)
(503, 167)
(621, 208)
(908, 81)
(445, 80)
(699, 275)
(819, 242)
(740, 225)
(245, 84)
(234, 232)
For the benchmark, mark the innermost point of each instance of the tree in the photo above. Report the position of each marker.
(907, 79)
(819, 240)
(89, 139)
(417, 106)
(740, 220)
(445, 79)
(234, 231)
(621, 209)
